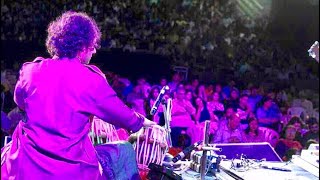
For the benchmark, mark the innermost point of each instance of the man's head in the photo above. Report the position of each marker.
(243, 100)
(234, 121)
(73, 35)
(176, 77)
(267, 102)
(180, 93)
(313, 125)
(290, 132)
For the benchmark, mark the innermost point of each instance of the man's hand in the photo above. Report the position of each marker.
(148, 123)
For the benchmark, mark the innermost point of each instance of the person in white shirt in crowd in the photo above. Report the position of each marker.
(182, 112)
(230, 133)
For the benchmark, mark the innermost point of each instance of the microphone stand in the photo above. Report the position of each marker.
(167, 106)
(204, 154)
(205, 148)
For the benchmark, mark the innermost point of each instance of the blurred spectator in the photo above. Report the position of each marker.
(224, 120)
(252, 133)
(230, 133)
(242, 109)
(15, 116)
(233, 100)
(149, 102)
(226, 91)
(266, 116)
(287, 146)
(216, 106)
(254, 98)
(174, 83)
(202, 112)
(182, 112)
(313, 133)
(299, 126)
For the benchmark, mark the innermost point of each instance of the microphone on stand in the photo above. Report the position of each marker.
(159, 100)
(185, 152)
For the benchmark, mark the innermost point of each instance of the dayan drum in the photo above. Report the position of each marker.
(150, 146)
(102, 132)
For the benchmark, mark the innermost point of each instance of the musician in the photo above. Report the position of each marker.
(57, 95)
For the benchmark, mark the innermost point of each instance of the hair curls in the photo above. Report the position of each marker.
(70, 33)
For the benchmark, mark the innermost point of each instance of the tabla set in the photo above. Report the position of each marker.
(150, 144)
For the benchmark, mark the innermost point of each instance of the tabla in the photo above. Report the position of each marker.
(102, 132)
(150, 146)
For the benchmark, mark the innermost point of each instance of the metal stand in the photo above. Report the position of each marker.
(204, 155)
(167, 106)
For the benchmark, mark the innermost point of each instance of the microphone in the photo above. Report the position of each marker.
(185, 152)
(159, 100)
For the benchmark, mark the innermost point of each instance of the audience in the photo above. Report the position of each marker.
(313, 133)
(189, 35)
(231, 133)
(252, 133)
(266, 116)
(287, 146)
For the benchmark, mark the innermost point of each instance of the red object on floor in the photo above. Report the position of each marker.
(143, 172)
(174, 151)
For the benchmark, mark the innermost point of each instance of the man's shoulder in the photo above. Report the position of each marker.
(95, 69)
(36, 60)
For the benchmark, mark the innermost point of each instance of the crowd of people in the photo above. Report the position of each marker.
(209, 37)
(206, 37)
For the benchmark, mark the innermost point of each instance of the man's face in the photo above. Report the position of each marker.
(268, 104)
(163, 82)
(181, 94)
(314, 128)
(290, 133)
(254, 125)
(229, 112)
(244, 100)
(234, 121)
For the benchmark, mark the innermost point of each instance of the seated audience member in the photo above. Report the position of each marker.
(225, 118)
(287, 146)
(234, 99)
(230, 133)
(216, 106)
(313, 133)
(298, 124)
(201, 92)
(149, 102)
(209, 92)
(218, 89)
(254, 98)
(203, 114)
(194, 85)
(267, 117)
(189, 96)
(181, 115)
(162, 82)
(135, 100)
(174, 82)
(15, 116)
(252, 133)
(242, 109)
(226, 91)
